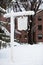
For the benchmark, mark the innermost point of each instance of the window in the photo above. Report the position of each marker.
(39, 27)
(39, 18)
(40, 36)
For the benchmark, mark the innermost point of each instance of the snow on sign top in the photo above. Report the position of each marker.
(14, 14)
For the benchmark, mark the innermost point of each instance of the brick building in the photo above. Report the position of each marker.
(38, 27)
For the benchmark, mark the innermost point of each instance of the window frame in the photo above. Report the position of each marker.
(39, 18)
(39, 27)
(40, 36)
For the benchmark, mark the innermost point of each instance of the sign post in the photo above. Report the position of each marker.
(12, 16)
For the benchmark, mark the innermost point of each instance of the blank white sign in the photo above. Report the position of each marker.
(22, 23)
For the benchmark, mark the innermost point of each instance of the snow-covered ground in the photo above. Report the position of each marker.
(25, 54)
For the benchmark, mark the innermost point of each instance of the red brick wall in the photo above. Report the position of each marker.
(23, 37)
(38, 22)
